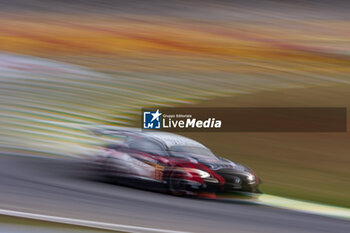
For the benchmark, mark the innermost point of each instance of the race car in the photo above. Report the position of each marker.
(164, 161)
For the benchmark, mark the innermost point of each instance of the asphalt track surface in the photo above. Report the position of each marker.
(65, 188)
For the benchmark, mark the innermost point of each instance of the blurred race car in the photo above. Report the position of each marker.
(169, 162)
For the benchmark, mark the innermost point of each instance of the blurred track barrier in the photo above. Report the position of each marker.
(46, 105)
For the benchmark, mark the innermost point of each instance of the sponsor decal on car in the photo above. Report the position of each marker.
(158, 173)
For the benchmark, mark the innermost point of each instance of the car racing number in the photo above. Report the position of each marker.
(158, 172)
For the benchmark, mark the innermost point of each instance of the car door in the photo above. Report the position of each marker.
(143, 152)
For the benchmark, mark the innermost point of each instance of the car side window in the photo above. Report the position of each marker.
(147, 146)
(113, 146)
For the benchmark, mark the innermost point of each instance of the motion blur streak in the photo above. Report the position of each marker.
(45, 105)
(67, 65)
(170, 53)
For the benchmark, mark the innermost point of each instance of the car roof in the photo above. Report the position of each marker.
(168, 139)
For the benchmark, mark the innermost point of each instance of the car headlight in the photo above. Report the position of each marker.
(202, 174)
(251, 178)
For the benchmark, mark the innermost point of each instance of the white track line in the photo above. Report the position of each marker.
(304, 206)
(297, 205)
(85, 223)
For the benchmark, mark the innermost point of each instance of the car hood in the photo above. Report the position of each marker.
(216, 163)
(221, 163)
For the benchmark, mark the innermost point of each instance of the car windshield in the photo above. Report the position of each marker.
(148, 147)
(190, 151)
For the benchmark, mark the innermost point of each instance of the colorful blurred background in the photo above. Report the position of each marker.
(66, 65)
